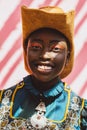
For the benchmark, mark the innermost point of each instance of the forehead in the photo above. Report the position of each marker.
(47, 32)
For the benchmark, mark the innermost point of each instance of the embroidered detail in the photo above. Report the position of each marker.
(41, 107)
(7, 122)
(73, 116)
(48, 126)
(17, 124)
(8, 93)
(39, 121)
(5, 110)
(71, 121)
(20, 85)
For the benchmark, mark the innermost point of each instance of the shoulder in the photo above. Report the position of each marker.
(76, 102)
(8, 92)
(78, 105)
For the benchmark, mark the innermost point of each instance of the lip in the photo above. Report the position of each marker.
(44, 67)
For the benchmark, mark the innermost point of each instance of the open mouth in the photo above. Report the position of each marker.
(44, 68)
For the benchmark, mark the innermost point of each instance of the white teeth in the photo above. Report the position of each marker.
(44, 67)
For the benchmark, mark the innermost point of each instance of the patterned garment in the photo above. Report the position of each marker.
(64, 109)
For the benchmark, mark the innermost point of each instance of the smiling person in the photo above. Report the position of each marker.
(42, 101)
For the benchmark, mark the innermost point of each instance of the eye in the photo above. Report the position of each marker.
(35, 46)
(56, 48)
(59, 47)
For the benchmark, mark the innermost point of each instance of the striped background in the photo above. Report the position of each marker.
(11, 58)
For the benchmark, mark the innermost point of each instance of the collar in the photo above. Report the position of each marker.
(56, 90)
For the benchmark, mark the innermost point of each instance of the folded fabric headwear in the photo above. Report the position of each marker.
(49, 17)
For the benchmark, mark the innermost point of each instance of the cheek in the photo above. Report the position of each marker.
(31, 56)
(60, 60)
(52, 55)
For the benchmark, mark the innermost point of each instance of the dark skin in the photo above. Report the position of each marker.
(47, 55)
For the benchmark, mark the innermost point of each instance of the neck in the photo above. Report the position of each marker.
(43, 86)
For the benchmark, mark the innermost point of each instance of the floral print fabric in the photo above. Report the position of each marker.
(74, 115)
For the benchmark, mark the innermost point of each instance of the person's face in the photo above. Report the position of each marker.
(46, 54)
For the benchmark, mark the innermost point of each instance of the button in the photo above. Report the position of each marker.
(41, 94)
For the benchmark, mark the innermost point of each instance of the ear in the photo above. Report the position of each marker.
(68, 57)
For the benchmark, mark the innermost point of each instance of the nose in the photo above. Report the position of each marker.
(45, 55)
(48, 55)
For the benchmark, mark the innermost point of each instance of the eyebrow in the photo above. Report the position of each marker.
(37, 40)
(51, 42)
(54, 41)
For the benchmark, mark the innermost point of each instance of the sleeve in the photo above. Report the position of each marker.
(83, 118)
